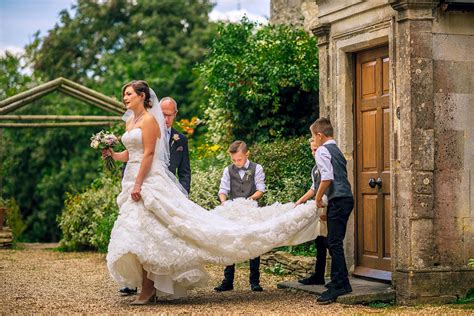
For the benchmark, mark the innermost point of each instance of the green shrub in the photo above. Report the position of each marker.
(287, 165)
(262, 82)
(13, 217)
(88, 217)
(205, 185)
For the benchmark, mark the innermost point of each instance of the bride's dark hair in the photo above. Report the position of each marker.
(140, 86)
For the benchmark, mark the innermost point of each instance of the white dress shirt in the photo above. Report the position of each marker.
(323, 160)
(224, 188)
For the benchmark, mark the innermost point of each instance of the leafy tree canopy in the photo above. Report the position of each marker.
(262, 82)
(108, 43)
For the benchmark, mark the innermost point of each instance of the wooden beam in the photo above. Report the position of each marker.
(49, 125)
(48, 86)
(92, 100)
(93, 93)
(59, 118)
(24, 101)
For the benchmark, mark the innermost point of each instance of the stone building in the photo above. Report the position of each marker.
(397, 81)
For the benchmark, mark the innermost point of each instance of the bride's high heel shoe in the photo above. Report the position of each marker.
(149, 300)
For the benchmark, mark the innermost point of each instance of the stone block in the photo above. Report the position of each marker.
(452, 76)
(449, 153)
(423, 149)
(453, 111)
(422, 243)
(453, 47)
(423, 206)
(421, 44)
(438, 287)
(468, 238)
(402, 244)
(422, 182)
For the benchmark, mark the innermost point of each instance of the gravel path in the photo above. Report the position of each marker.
(36, 280)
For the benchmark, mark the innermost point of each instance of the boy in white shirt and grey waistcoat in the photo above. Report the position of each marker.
(242, 179)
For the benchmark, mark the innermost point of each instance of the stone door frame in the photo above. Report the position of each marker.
(337, 100)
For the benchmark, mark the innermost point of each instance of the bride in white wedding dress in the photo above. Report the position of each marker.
(161, 240)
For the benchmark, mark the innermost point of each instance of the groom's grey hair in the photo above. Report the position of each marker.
(170, 99)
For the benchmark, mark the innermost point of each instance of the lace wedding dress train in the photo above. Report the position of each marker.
(173, 238)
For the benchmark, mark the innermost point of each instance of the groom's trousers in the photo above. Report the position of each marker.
(254, 272)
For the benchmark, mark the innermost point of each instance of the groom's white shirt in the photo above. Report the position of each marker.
(224, 188)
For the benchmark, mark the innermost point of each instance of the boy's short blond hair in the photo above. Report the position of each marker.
(322, 125)
(238, 146)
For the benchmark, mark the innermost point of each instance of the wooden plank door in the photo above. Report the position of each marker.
(373, 213)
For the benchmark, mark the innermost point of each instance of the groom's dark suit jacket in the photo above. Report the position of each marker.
(179, 159)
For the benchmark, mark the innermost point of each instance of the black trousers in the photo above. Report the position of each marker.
(229, 272)
(321, 253)
(339, 210)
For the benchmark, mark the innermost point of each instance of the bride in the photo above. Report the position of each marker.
(161, 240)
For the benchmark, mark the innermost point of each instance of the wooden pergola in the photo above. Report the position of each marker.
(69, 88)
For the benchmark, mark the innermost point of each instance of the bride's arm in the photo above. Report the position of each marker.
(121, 156)
(150, 134)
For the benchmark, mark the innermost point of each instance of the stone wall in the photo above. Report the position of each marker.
(433, 200)
(285, 263)
(453, 77)
(286, 12)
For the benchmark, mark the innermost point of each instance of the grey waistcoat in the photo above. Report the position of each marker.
(340, 186)
(244, 187)
(316, 177)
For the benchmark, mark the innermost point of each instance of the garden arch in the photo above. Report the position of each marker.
(69, 88)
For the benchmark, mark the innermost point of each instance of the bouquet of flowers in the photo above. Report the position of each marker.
(105, 140)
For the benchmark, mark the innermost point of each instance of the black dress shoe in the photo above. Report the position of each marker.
(331, 295)
(125, 291)
(347, 286)
(256, 287)
(311, 281)
(224, 287)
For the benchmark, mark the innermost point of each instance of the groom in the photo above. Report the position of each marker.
(179, 153)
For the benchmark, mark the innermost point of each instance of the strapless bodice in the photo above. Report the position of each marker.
(133, 142)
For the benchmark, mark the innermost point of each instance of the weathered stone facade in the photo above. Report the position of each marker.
(286, 12)
(431, 83)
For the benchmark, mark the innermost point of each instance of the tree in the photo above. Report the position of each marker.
(12, 79)
(262, 82)
(109, 43)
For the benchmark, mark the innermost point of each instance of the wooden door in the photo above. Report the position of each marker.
(373, 213)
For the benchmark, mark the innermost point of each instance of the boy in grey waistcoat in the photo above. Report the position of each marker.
(242, 179)
(334, 183)
(316, 278)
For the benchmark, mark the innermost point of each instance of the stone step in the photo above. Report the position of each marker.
(363, 291)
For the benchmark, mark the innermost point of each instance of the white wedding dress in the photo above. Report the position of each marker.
(173, 238)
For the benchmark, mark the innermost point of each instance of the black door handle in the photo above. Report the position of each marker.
(373, 183)
(379, 182)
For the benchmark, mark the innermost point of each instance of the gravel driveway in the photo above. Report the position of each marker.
(42, 280)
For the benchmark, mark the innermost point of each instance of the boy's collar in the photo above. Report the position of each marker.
(329, 141)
